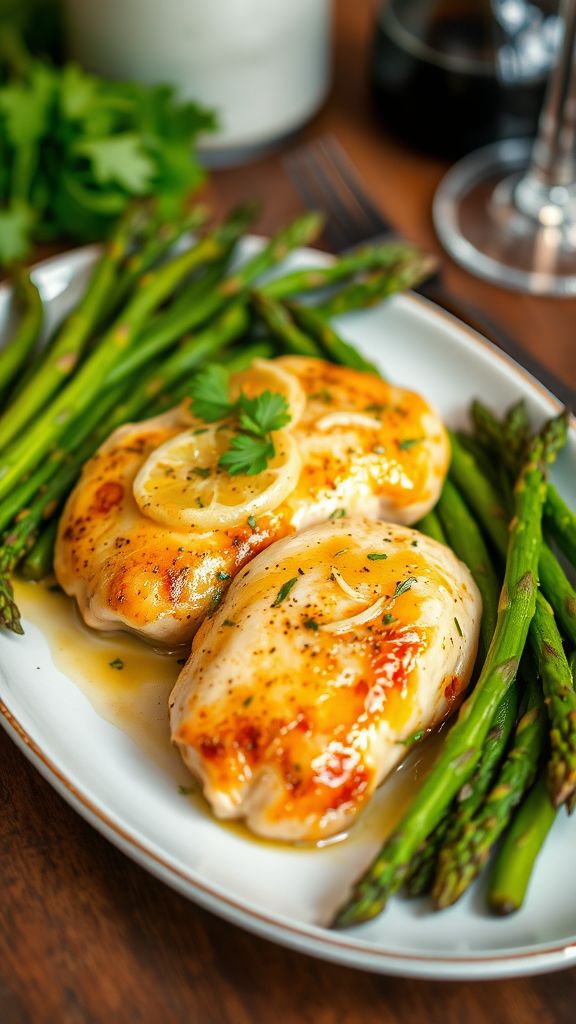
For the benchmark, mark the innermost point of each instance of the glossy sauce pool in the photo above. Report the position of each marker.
(128, 684)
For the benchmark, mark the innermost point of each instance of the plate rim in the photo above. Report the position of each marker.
(312, 940)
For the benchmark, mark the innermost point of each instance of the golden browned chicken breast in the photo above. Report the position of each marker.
(329, 650)
(156, 527)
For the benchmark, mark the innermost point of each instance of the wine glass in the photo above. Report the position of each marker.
(507, 212)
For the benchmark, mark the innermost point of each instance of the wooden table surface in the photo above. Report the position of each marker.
(89, 936)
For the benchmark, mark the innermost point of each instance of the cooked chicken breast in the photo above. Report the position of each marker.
(330, 649)
(133, 547)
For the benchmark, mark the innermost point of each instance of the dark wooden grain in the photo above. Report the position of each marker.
(86, 935)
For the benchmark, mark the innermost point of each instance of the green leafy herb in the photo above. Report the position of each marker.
(247, 455)
(408, 443)
(202, 471)
(251, 522)
(311, 624)
(284, 591)
(458, 626)
(76, 150)
(388, 618)
(264, 413)
(209, 393)
(251, 448)
(223, 575)
(377, 556)
(338, 513)
(117, 663)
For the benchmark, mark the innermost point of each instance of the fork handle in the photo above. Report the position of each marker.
(484, 325)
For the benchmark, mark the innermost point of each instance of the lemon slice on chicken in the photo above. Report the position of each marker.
(182, 485)
(264, 375)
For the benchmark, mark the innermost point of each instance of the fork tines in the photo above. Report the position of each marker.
(325, 180)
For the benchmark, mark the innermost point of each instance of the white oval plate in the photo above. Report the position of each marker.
(283, 894)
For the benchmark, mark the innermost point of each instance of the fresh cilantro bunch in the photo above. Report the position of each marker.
(75, 150)
(251, 447)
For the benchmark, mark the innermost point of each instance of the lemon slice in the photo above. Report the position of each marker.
(181, 485)
(266, 375)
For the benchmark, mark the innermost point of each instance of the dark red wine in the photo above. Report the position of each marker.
(449, 77)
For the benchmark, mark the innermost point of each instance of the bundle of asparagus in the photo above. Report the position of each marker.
(147, 321)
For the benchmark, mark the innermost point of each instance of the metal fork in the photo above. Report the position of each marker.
(326, 180)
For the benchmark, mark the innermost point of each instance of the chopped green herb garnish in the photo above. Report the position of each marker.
(202, 471)
(338, 513)
(284, 591)
(414, 738)
(228, 622)
(401, 588)
(409, 442)
(215, 600)
(377, 556)
(414, 543)
(251, 522)
(117, 663)
(377, 407)
(223, 575)
(311, 624)
(388, 618)
(458, 626)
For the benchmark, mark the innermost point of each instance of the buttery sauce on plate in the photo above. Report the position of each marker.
(128, 684)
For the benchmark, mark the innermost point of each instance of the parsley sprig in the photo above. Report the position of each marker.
(251, 447)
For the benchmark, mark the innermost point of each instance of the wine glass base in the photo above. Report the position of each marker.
(478, 221)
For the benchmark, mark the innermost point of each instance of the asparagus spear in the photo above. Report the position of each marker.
(15, 354)
(462, 748)
(367, 257)
(281, 324)
(44, 434)
(492, 514)
(331, 344)
(560, 698)
(522, 844)
(508, 440)
(423, 866)
(467, 542)
(172, 327)
(37, 564)
(379, 286)
(432, 527)
(561, 521)
(461, 859)
(62, 357)
(162, 237)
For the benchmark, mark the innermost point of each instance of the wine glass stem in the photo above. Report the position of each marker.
(550, 181)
